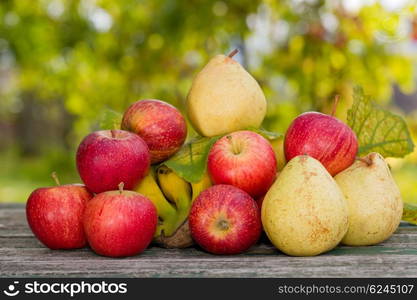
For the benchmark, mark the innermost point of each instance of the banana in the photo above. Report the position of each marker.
(166, 212)
(200, 186)
(173, 197)
(176, 190)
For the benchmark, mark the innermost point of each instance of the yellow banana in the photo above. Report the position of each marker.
(172, 197)
(166, 212)
(176, 190)
(200, 186)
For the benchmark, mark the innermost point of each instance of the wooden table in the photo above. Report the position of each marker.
(21, 255)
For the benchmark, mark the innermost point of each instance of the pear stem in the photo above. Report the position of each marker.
(335, 103)
(113, 133)
(365, 160)
(55, 178)
(233, 53)
(121, 186)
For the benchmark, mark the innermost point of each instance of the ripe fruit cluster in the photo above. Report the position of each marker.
(324, 195)
(105, 213)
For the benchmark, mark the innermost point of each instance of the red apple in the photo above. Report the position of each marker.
(160, 125)
(120, 223)
(244, 159)
(106, 158)
(323, 137)
(55, 215)
(225, 220)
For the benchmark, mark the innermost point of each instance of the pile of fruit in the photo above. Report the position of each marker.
(142, 184)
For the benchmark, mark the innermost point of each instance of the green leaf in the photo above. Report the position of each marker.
(378, 130)
(270, 135)
(191, 161)
(110, 119)
(410, 213)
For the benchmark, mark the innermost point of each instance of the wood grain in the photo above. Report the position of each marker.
(22, 255)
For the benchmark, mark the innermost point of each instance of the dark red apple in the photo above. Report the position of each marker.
(225, 220)
(55, 215)
(323, 137)
(106, 158)
(244, 159)
(120, 223)
(160, 125)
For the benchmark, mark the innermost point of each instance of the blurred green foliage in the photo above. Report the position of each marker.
(64, 62)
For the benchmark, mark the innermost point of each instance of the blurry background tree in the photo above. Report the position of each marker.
(64, 62)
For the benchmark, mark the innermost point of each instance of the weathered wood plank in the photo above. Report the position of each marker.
(404, 245)
(214, 266)
(402, 235)
(12, 205)
(42, 254)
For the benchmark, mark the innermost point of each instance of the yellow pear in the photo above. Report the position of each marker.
(224, 98)
(374, 201)
(278, 146)
(304, 213)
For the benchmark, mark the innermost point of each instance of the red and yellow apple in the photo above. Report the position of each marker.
(120, 223)
(324, 138)
(225, 220)
(243, 159)
(160, 125)
(106, 158)
(55, 215)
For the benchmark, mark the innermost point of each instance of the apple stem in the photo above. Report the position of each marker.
(233, 53)
(113, 133)
(121, 186)
(335, 103)
(365, 160)
(55, 178)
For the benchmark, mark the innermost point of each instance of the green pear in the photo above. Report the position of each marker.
(224, 98)
(304, 213)
(374, 201)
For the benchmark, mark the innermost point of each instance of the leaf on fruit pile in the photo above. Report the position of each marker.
(270, 135)
(378, 130)
(191, 161)
(110, 119)
(410, 213)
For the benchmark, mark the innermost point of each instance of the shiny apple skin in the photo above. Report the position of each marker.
(55, 214)
(324, 138)
(119, 224)
(243, 159)
(225, 220)
(160, 124)
(108, 157)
